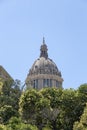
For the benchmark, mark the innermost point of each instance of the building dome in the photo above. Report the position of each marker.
(44, 66)
(44, 72)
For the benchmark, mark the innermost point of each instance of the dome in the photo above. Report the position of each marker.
(44, 66)
(44, 72)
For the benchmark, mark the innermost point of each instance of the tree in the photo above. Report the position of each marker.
(27, 104)
(16, 93)
(3, 127)
(32, 104)
(82, 124)
(17, 124)
(10, 93)
(82, 93)
(6, 112)
(69, 109)
(9, 99)
(54, 95)
(52, 113)
(73, 103)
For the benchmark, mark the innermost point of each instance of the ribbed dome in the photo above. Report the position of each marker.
(44, 66)
(44, 72)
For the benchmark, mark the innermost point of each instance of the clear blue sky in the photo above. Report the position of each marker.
(23, 23)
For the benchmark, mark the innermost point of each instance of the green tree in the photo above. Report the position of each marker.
(69, 109)
(73, 103)
(6, 112)
(56, 108)
(54, 95)
(32, 104)
(52, 113)
(9, 99)
(3, 127)
(82, 93)
(27, 104)
(10, 93)
(82, 124)
(17, 124)
(15, 94)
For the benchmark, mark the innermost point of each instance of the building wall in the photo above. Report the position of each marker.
(43, 80)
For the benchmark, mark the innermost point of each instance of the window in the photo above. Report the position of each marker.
(35, 84)
(60, 84)
(44, 83)
(50, 82)
(47, 82)
(57, 84)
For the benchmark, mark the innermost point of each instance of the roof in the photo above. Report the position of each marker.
(4, 74)
(44, 66)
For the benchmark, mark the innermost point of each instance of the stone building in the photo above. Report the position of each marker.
(4, 74)
(44, 72)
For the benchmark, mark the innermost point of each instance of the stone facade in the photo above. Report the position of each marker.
(44, 72)
(4, 74)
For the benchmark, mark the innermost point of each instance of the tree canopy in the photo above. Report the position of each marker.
(45, 109)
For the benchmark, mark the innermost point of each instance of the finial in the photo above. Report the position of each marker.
(43, 40)
(44, 50)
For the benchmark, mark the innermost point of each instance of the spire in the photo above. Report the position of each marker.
(43, 50)
(43, 40)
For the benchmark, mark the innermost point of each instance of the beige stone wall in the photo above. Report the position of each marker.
(40, 78)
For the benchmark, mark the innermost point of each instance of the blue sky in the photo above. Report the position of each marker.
(63, 23)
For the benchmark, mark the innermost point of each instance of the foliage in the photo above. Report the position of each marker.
(82, 94)
(68, 111)
(46, 128)
(40, 107)
(82, 124)
(3, 127)
(46, 109)
(53, 94)
(56, 108)
(6, 112)
(17, 124)
(51, 115)
(27, 104)
(9, 100)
